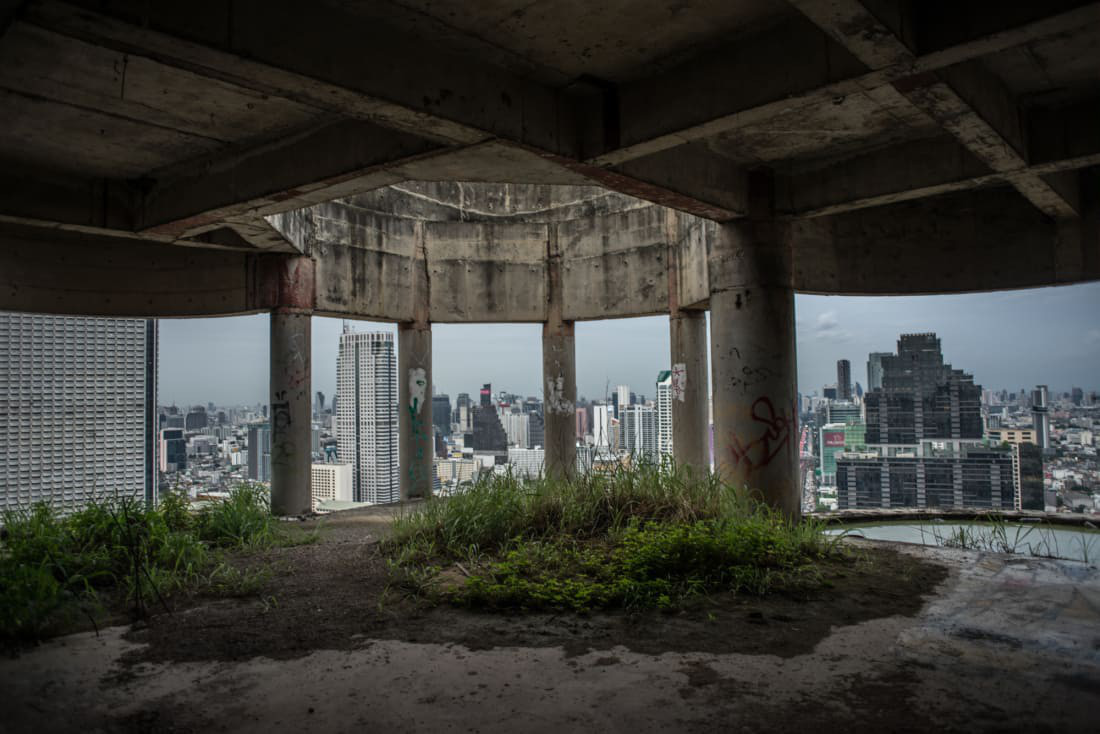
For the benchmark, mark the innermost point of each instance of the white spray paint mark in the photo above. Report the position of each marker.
(418, 385)
(679, 381)
(555, 397)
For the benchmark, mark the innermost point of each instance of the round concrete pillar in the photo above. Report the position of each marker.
(290, 412)
(690, 423)
(559, 373)
(753, 363)
(414, 388)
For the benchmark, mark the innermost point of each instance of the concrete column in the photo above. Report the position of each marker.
(753, 361)
(291, 404)
(690, 421)
(559, 373)
(414, 388)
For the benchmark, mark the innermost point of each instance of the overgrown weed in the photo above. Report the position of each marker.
(55, 568)
(648, 536)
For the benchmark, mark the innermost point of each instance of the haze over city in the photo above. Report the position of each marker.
(1007, 339)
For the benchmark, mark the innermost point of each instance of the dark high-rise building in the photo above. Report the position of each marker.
(486, 395)
(1030, 458)
(922, 398)
(441, 414)
(974, 477)
(173, 450)
(1077, 395)
(843, 379)
(320, 402)
(196, 419)
(536, 430)
(829, 393)
(924, 438)
(259, 452)
(1040, 418)
(488, 434)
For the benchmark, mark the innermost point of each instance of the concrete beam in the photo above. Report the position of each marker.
(64, 272)
(965, 98)
(796, 65)
(486, 272)
(952, 243)
(1060, 141)
(972, 105)
(318, 164)
(317, 58)
(615, 266)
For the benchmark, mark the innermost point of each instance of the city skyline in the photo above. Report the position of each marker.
(1009, 339)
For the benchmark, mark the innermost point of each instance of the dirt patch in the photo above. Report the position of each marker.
(336, 595)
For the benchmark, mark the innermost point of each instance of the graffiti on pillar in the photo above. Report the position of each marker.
(771, 434)
(297, 369)
(418, 388)
(679, 381)
(752, 377)
(282, 447)
(556, 402)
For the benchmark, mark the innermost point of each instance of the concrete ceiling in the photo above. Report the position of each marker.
(191, 123)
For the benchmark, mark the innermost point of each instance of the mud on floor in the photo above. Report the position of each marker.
(335, 595)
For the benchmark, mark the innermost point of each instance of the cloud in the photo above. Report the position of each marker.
(827, 328)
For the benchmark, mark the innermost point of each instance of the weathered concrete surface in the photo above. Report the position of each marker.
(1007, 643)
(753, 361)
(416, 441)
(291, 411)
(559, 374)
(131, 122)
(690, 390)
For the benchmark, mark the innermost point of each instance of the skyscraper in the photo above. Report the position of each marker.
(1040, 418)
(259, 452)
(638, 430)
(441, 414)
(366, 424)
(874, 369)
(664, 413)
(172, 452)
(77, 409)
(622, 399)
(924, 440)
(843, 379)
(463, 412)
(922, 398)
(601, 427)
(516, 428)
(582, 423)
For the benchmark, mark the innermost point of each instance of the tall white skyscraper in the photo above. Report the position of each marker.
(601, 427)
(664, 413)
(638, 428)
(622, 399)
(366, 421)
(517, 428)
(78, 401)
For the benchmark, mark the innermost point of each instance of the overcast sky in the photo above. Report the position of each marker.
(1008, 339)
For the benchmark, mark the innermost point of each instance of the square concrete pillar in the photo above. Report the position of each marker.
(414, 389)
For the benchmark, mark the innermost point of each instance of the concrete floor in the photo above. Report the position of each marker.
(1007, 643)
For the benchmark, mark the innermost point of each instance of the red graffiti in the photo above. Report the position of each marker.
(775, 435)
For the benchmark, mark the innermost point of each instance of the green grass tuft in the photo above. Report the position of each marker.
(651, 536)
(54, 568)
